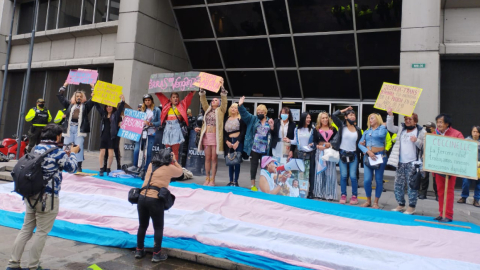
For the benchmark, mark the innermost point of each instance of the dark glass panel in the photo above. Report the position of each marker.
(283, 52)
(52, 15)
(114, 10)
(69, 13)
(187, 2)
(315, 109)
(42, 15)
(372, 80)
(238, 20)
(194, 23)
(378, 14)
(25, 21)
(253, 83)
(326, 51)
(203, 54)
(246, 53)
(101, 11)
(341, 84)
(276, 16)
(289, 84)
(222, 1)
(272, 108)
(369, 109)
(320, 15)
(88, 12)
(379, 48)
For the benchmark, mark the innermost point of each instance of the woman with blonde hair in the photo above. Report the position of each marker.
(234, 135)
(374, 149)
(325, 186)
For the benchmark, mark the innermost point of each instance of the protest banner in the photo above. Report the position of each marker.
(132, 125)
(107, 93)
(79, 76)
(402, 99)
(184, 81)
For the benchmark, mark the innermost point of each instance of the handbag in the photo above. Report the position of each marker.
(366, 161)
(347, 157)
(183, 126)
(134, 193)
(416, 178)
(331, 155)
(233, 158)
(167, 198)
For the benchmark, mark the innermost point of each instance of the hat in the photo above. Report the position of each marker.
(266, 160)
(430, 125)
(40, 100)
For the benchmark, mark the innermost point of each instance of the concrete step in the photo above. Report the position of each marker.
(6, 176)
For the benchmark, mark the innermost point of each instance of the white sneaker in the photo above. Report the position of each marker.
(410, 211)
(399, 209)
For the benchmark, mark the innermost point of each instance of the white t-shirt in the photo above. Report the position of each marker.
(303, 138)
(408, 149)
(349, 140)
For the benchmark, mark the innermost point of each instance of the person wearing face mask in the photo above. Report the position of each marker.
(283, 132)
(257, 136)
(475, 136)
(40, 117)
(406, 153)
(76, 125)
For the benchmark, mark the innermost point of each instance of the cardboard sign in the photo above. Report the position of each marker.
(185, 81)
(107, 93)
(85, 76)
(450, 156)
(402, 99)
(132, 125)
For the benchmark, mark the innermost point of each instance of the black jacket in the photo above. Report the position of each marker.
(241, 137)
(318, 138)
(341, 124)
(87, 106)
(276, 128)
(114, 118)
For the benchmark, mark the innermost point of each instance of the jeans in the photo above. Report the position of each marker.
(150, 208)
(235, 169)
(368, 175)
(466, 189)
(345, 169)
(136, 151)
(78, 140)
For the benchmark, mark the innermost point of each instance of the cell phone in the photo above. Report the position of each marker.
(67, 148)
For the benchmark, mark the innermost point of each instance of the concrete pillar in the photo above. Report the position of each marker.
(420, 45)
(6, 8)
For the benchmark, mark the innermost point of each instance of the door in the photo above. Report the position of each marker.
(315, 109)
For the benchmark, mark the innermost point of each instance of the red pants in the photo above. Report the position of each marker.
(450, 195)
(175, 149)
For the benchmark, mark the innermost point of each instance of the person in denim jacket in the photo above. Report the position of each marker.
(374, 139)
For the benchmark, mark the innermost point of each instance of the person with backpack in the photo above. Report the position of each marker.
(42, 206)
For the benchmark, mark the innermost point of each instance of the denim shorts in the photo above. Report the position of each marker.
(172, 134)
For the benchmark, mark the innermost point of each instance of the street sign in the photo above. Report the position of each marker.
(419, 65)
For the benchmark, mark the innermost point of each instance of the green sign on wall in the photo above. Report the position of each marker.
(419, 65)
(450, 156)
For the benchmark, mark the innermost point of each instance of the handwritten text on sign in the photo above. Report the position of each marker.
(107, 93)
(451, 156)
(209, 82)
(132, 125)
(402, 99)
(82, 76)
(185, 81)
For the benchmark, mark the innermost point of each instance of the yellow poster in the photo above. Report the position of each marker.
(401, 98)
(107, 93)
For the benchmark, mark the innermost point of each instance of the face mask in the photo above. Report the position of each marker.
(284, 116)
(41, 105)
(260, 116)
(410, 127)
(351, 122)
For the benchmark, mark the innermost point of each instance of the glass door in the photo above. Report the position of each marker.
(355, 106)
(295, 108)
(315, 109)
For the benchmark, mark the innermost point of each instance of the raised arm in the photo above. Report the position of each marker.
(246, 116)
(390, 126)
(224, 101)
(163, 99)
(65, 102)
(99, 108)
(188, 100)
(203, 99)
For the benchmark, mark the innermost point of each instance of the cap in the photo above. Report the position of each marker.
(40, 100)
(147, 96)
(266, 160)
(430, 125)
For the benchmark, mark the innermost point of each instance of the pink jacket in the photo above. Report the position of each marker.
(451, 132)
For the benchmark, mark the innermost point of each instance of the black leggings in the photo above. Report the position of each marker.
(150, 208)
(254, 161)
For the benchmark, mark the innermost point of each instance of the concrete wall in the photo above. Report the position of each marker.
(461, 31)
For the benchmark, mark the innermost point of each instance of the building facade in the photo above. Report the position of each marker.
(312, 55)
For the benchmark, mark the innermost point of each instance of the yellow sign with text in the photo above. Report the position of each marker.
(401, 98)
(107, 93)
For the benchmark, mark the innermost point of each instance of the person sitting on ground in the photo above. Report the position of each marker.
(267, 181)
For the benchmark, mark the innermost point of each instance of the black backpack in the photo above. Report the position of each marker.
(28, 176)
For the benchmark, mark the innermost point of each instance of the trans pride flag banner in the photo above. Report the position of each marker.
(261, 230)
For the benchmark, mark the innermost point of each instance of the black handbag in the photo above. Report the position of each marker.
(367, 163)
(167, 197)
(416, 178)
(134, 193)
(233, 158)
(347, 157)
(304, 155)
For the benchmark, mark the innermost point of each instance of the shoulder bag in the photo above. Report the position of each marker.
(233, 158)
(134, 193)
(183, 126)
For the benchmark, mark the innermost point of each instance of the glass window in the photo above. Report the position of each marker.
(52, 15)
(253, 83)
(25, 20)
(379, 48)
(238, 20)
(88, 12)
(276, 16)
(315, 109)
(69, 13)
(203, 54)
(341, 84)
(283, 52)
(187, 2)
(320, 15)
(246, 53)
(326, 51)
(114, 10)
(221, 1)
(11, 107)
(369, 109)
(378, 14)
(272, 108)
(250, 107)
(101, 11)
(372, 80)
(42, 15)
(289, 84)
(194, 23)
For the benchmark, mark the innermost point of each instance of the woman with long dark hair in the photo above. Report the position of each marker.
(282, 134)
(110, 119)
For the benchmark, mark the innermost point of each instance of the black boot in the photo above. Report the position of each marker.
(108, 171)
(79, 165)
(102, 170)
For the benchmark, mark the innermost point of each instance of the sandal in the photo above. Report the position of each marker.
(375, 206)
(207, 180)
(366, 204)
(476, 203)
(212, 183)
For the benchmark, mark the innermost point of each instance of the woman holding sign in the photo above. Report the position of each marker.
(111, 116)
(375, 158)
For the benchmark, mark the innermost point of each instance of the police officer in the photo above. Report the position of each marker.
(60, 117)
(40, 117)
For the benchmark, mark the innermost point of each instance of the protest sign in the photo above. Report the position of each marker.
(450, 156)
(107, 93)
(402, 99)
(132, 125)
(184, 81)
(85, 76)
(295, 114)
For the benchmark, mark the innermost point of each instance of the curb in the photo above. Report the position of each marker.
(206, 259)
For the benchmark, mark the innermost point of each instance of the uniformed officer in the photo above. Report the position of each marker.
(40, 117)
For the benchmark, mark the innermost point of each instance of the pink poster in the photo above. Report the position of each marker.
(132, 124)
(85, 76)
